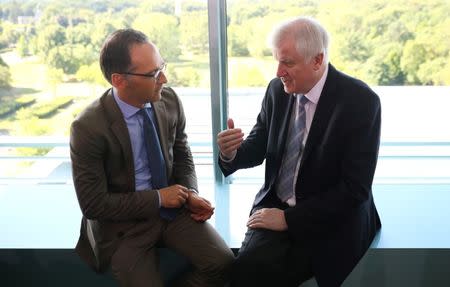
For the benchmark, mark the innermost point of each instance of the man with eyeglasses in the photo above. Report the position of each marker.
(134, 175)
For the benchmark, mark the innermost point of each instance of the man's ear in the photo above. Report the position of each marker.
(118, 80)
(318, 61)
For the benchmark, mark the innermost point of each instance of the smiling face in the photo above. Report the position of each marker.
(138, 90)
(297, 74)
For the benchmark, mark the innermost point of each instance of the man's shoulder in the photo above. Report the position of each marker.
(344, 79)
(276, 86)
(170, 98)
(168, 94)
(350, 85)
(94, 112)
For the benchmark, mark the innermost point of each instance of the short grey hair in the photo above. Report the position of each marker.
(310, 36)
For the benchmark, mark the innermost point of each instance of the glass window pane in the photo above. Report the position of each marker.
(401, 50)
(49, 65)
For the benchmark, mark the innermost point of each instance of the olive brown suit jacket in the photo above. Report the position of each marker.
(104, 174)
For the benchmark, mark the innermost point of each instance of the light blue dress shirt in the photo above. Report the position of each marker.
(135, 123)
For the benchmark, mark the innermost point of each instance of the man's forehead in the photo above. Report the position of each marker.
(285, 53)
(145, 54)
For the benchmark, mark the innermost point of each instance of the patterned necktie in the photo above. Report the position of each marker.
(294, 146)
(156, 161)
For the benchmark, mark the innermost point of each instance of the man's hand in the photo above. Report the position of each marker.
(229, 140)
(173, 196)
(200, 208)
(268, 218)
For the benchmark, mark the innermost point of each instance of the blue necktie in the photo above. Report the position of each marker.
(294, 146)
(156, 161)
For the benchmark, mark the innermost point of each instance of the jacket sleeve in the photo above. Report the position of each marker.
(252, 151)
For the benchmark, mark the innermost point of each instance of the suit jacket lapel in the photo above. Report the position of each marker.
(323, 113)
(120, 130)
(282, 126)
(284, 123)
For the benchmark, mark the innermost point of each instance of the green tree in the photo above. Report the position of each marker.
(163, 30)
(50, 38)
(54, 77)
(22, 46)
(414, 55)
(80, 34)
(183, 77)
(101, 31)
(194, 31)
(237, 41)
(30, 125)
(60, 58)
(8, 35)
(70, 58)
(247, 76)
(161, 6)
(384, 67)
(5, 75)
(91, 74)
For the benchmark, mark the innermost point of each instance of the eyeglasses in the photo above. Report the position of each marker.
(156, 74)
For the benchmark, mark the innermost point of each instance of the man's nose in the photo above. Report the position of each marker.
(281, 72)
(162, 79)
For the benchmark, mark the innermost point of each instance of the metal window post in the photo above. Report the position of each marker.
(218, 70)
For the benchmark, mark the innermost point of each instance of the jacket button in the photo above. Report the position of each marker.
(120, 234)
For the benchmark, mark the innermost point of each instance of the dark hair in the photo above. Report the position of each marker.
(115, 53)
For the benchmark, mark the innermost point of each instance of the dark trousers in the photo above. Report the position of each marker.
(135, 262)
(270, 258)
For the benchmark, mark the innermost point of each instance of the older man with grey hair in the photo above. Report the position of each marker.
(318, 131)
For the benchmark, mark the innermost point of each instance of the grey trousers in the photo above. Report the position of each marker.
(135, 262)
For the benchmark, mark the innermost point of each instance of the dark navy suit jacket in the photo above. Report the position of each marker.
(335, 215)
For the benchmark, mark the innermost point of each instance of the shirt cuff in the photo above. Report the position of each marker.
(159, 198)
(227, 160)
(193, 190)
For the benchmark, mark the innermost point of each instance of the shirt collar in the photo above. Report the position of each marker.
(314, 93)
(127, 110)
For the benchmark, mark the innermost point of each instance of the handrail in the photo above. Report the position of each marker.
(203, 149)
(392, 153)
(43, 141)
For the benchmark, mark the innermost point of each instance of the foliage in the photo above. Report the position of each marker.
(29, 124)
(237, 41)
(49, 108)
(9, 107)
(163, 32)
(183, 77)
(50, 37)
(194, 31)
(385, 42)
(91, 74)
(390, 42)
(5, 75)
(248, 76)
(54, 77)
(8, 34)
(22, 46)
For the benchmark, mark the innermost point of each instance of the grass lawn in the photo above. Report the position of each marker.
(29, 77)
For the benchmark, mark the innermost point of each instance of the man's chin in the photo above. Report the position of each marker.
(156, 96)
(287, 89)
